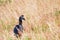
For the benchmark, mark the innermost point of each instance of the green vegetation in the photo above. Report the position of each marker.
(2, 2)
(45, 27)
(27, 38)
(57, 15)
(36, 29)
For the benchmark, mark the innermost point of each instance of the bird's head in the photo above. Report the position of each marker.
(21, 18)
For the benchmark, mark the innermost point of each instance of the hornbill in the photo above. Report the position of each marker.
(18, 29)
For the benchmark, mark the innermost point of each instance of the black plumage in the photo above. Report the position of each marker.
(18, 30)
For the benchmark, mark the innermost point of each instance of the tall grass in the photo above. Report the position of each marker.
(36, 26)
(46, 31)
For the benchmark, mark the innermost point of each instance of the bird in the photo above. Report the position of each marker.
(18, 29)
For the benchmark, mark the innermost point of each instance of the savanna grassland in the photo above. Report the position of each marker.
(42, 19)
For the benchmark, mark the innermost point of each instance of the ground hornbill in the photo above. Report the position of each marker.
(18, 29)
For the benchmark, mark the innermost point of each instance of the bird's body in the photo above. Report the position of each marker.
(20, 27)
(17, 29)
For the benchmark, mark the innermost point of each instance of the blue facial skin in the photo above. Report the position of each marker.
(19, 26)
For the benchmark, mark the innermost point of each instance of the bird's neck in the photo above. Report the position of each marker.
(20, 23)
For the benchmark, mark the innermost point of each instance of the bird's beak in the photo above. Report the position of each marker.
(23, 18)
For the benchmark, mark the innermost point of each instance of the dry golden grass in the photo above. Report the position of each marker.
(42, 19)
